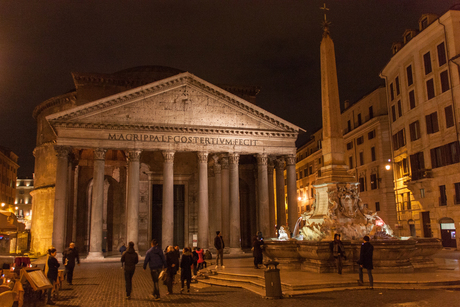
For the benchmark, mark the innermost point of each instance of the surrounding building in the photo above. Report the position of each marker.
(23, 200)
(367, 154)
(155, 152)
(423, 96)
(8, 172)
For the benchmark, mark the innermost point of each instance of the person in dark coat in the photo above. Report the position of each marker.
(52, 274)
(219, 245)
(186, 268)
(69, 257)
(338, 251)
(156, 261)
(365, 261)
(257, 251)
(130, 258)
(172, 265)
(195, 258)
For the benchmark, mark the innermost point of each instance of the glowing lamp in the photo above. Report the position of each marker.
(3, 204)
(387, 167)
(299, 198)
(379, 223)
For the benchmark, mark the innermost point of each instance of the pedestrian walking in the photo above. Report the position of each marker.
(219, 245)
(257, 251)
(200, 261)
(122, 248)
(156, 261)
(365, 262)
(69, 258)
(172, 264)
(186, 263)
(338, 251)
(52, 274)
(195, 258)
(130, 258)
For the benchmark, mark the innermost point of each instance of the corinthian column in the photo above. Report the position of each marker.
(263, 193)
(217, 218)
(291, 191)
(271, 200)
(225, 201)
(97, 204)
(59, 219)
(203, 200)
(235, 231)
(132, 223)
(167, 228)
(280, 193)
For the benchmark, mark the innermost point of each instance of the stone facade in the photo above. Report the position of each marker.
(23, 200)
(423, 94)
(135, 155)
(8, 173)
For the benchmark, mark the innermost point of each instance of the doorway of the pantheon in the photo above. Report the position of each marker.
(157, 214)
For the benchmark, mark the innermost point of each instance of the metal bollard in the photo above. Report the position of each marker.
(272, 280)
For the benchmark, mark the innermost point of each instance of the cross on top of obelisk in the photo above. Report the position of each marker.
(326, 23)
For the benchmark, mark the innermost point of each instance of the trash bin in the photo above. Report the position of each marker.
(272, 280)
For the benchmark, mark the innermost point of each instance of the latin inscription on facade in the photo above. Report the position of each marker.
(181, 139)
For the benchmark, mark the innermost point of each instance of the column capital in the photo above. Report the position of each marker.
(202, 157)
(99, 154)
(217, 168)
(133, 155)
(280, 164)
(262, 159)
(211, 171)
(168, 156)
(62, 151)
(224, 163)
(233, 158)
(290, 159)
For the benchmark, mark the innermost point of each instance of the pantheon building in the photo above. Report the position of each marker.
(156, 152)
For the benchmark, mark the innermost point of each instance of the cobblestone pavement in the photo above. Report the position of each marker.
(102, 285)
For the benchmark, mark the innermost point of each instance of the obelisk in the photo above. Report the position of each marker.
(334, 169)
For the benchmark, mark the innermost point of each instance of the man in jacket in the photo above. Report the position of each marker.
(130, 259)
(69, 256)
(219, 245)
(365, 261)
(156, 261)
(338, 251)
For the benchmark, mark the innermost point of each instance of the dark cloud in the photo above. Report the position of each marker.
(270, 43)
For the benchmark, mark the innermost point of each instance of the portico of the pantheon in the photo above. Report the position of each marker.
(155, 152)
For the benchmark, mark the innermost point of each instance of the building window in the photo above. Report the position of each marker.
(442, 195)
(444, 81)
(349, 126)
(409, 204)
(449, 116)
(373, 154)
(362, 186)
(392, 94)
(371, 135)
(397, 86)
(310, 169)
(374, 183)
(361, 158)
(349, 145)
(359, 120)
(399, 108)
(457, 193)
(414, 130)
(422, 193)
(445, 155)
(417, 165)
(311, 192)
(427, 63)
(360, 140)
(412, 99)
(442, 59)
(430, 89)
(371, 112)
(377, 206)
(399, 139)
(432, 123)
(350, 162)
(410, 78)
(393, 113)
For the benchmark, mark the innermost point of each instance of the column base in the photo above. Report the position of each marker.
(235, 250)
(94, 257)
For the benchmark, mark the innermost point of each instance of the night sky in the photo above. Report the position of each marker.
(273, 44)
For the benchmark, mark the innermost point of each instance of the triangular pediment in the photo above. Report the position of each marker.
(183, 101)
